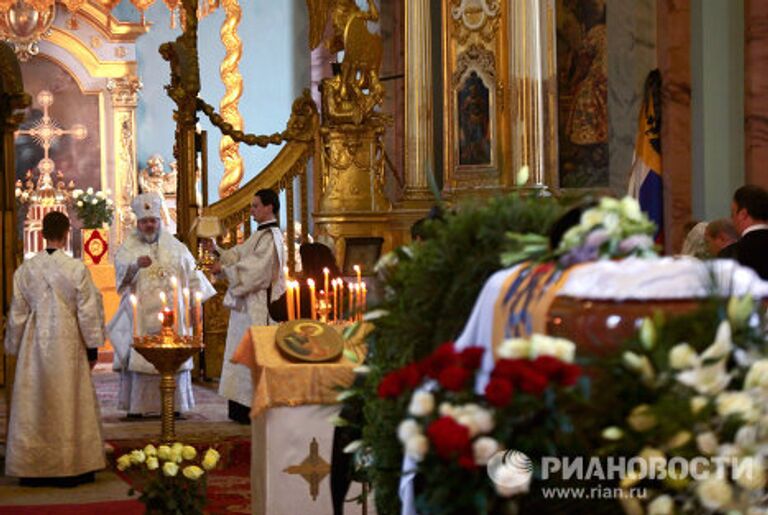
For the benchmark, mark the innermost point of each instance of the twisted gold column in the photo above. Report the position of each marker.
(167, 393)
(229, 150)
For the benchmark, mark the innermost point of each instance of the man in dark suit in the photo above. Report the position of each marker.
(749, 212)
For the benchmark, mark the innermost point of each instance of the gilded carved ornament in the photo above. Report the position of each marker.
(475, 16)
(125, 90)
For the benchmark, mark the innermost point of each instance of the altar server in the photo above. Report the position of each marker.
(56, 320)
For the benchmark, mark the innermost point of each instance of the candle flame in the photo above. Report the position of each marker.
(185, 291)
(356, 268)
(198, 295)
(161, 317)
(311, 283)
(174, 281)
(163, 298)
(134, 300)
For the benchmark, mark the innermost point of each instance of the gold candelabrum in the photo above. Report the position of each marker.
(167, 351)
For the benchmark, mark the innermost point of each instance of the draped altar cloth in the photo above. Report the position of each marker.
(292, 435)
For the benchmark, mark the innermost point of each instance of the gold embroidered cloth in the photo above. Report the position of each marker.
(278, 381)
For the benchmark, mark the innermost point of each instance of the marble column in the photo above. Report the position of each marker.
(674, 42)
(756, 91)
(631, 26)
(419, 140)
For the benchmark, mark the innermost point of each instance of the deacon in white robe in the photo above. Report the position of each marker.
(145, 266)
(54, 431)
(254, 271)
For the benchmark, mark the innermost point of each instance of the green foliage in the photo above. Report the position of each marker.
(175, 496)
(429, 297)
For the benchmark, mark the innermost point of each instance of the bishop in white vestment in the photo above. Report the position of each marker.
(145, 266)
(54, 431)
(253, 270)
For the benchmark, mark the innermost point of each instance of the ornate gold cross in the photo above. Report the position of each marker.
(313, 469)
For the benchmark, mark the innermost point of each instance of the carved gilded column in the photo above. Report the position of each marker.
(419, 141)
(229, 150)
(533, 78)
(124, 92)
(756, 90)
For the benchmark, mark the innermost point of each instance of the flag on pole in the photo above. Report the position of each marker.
(645, 178)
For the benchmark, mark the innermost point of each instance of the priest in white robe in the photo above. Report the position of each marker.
(254, 271)
(151, 261)
(56, 318)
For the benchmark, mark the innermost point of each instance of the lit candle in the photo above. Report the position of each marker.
(363, 303)
(175, 308)
(340, 311)
(312, 299)
(163, 299)
(357, 303)
(161, 318)
(199, 313)
(351, 306)
(187, 310)
(357, 270)
(289, 299)
(325, 279)
(285, 274)
(298, 298)
(335, 299)
(134, 302)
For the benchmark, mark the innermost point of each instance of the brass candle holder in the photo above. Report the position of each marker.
(167, 351)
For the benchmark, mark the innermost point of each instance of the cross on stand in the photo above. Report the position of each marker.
(46, 131)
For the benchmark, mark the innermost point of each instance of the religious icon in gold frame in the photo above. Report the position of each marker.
(309, 340)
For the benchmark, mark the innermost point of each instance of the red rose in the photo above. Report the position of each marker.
(569, 375)
(411, 375)
(448, 437)
(454, 378)
(510, 369)
(467, 460)
(391, 385)
(499, 392)
(532, 382)
(471, 357)
(549, 366)
(442, 358)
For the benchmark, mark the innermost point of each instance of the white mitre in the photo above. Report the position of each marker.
(147, 205)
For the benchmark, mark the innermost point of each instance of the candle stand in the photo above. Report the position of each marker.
(167, 351)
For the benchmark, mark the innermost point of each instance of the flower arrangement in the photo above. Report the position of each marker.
(451, 432)
(699, 420)
(95, 209)
(612, 229)
(173, 481)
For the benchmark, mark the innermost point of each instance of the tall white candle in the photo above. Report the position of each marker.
(199, 313)
(134, 303)
(187, 310)
(175, 309)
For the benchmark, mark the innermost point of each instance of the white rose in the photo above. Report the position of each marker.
(94, 201)
(735, 403)
(422, 404)
(192, 472)
(514, 348)
(714, 493)
(565, 350)
(630, 208)
(79, 203)
(542, 345)
(610, 204)
(100, 194)
(750, 473)
(17, 192)
(746, 437)
(416, 447)
(662, 505)
(188, 452)
(682, 356)
(611, 223)
(510, 475)
(152, 463)
(591, 218)
(210, 459)
(698, 403)
(468, 421)
(124, 462)
(407, 428)
(109, 202)
(681, 438)
(150, 450)
(164, 452)
(483, 449)
(89, 191)
(76, 193)
(138, 456)
(707, 442)
(170, 468)
(446, 409)
(757, 377)
(175, 455)
(483, 421)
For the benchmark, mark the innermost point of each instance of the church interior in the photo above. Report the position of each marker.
(547, 185)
